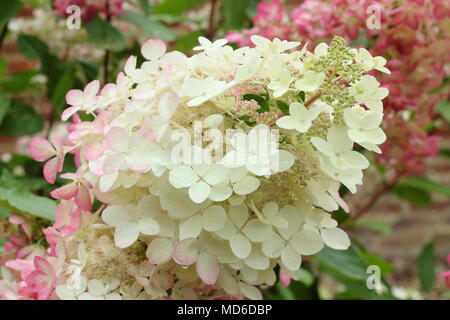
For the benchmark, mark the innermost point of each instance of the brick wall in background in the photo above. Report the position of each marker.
(412, 227)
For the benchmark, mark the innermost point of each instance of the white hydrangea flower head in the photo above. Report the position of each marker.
(214, 169)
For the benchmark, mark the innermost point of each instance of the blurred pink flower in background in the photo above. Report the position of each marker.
(89, 8)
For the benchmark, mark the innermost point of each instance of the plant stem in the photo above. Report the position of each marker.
(107, 52)
(386, 187)
(211, 29)
(3, 35)
(313, 98)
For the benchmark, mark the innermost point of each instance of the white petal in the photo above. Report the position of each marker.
(239, 214)
(182, 177)
(290, 258)
(220, 193)
(126, 235)
(178, 204)
(336, 238)
(355, 160)
(207, 268)
(216, 174)
(186, 252)
(247, 185)
(307, 242)
(115, 216)
(214, 218)
(96, 287)
(159, 251)
(322, 145)
(273, 247)
(257, 260)
(249, 291)
(257, 231)
(199, 191)
(240, 246)
(153, 49)
(287, 122)
(148, 226)
(191, 227)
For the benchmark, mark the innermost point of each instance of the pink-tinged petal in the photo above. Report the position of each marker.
(75, 97)
(74, 225)
(83, 198)
(77, 159)
(62, 214)
(40, 149)
(50, 169)
(143, 92)
(43, 279)
(285, 279)
(94, 151)
(69, 176)
(67, 113)
(153, 49)
(16, 219)
(52, 236)
(336, 196)
(91, 89)
(118, 139)
(114, 163)
(186, 252)
(448, 259)
(159, 251)
(207, 268)
(130, 65)
(66, 192)
(108, 90)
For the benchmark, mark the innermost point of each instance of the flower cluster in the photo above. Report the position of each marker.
(412, 34)
(211, 170)
(90, 8)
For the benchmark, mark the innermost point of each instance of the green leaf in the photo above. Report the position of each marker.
(148, 25)
(371, 259)
(283, 106)
(21, 120)
(426, 265)
(88, 68)
(176, 7)
(444, 109)
(301, 96)
(445, 152)
(379, 226)
(105, 35)
(18, 81)
(3, 67)
(306, 277)
(4, 213)
(426, 185)
(8, 9)
(446, 294)
(235, 13)
(411, 194)
(65, 83)
(32, 47)
(347, 263)
(145, 6)
(5, 103)
(19, 182)
(259, 99)
(27, 203)
(186, 42)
